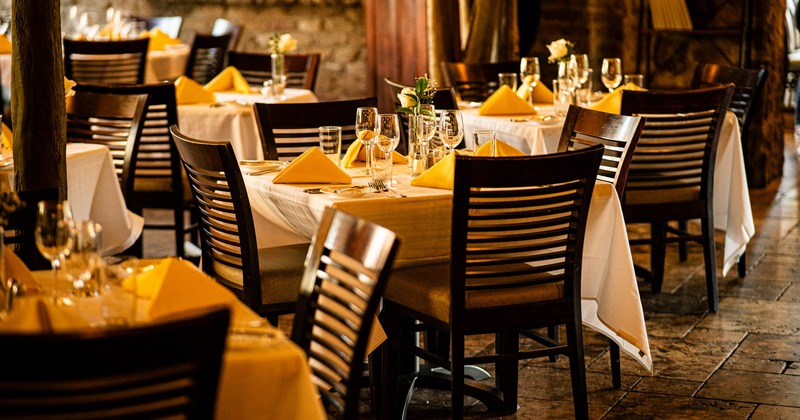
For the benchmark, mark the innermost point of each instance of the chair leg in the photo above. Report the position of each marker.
(507, 373)
(577, 370)
(390, 355)
(658, 249)
(616, 371)
(375, 361)
(710, 260)
(552, 332)
(177, 219)
(457, 374)
(742, 266)
(137, 249)
(682, 254)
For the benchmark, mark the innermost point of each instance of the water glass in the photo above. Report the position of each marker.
(330, 142)
(381, 167)
(636, 79)
(118, 294)
(481, 137)
(530, 73)
(366, 119)
(508, 79)
(562, 98)
(584, 93)
(82, 260)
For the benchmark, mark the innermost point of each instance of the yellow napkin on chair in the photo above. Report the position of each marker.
(312, 167)
(228, 80)
(5, 45)
(541, 94)
(187, 91)
(612, 103)
(358, 153)
(502, 149)
(505, 101)
(159, 40)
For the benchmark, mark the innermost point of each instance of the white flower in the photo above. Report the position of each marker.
(407, 97)
(286, 43)
(558, 49)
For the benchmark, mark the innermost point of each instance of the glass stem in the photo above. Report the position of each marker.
(369, 157)
(55, 263)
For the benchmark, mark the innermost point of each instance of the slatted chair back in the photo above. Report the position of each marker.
(170, 25)
(106, 62)
(223, 27)
(113, 373)
(207, 56)
(288, 130)
(113, 120)
(347, 271)
(475, 81)
(619, 135)
(301, 69)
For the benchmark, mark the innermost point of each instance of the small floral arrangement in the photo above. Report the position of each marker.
(560, 51)
(421, 93)
(281, 44)
(9, 203)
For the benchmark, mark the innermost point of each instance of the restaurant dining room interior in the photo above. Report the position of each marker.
(423, 209)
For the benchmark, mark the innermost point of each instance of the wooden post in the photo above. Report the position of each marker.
(37, 96)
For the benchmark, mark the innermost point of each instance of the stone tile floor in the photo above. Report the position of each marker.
(740, 363)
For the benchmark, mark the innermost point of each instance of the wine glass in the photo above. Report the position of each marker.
(387, 137)
(581, 68)
(53, 234)
(366, 119)
(426, 126)
(611, 73)
(568, 75)
(529, 71)
(452, 129)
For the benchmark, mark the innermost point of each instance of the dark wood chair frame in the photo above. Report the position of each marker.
(475, 81)
(223, 27)
(170, 25)
(301, 69)
(127, 69)
(207, 57)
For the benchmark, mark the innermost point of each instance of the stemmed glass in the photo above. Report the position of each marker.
(387, 137)
(366, 119)
(581, 68)
(426, 127)
(529, 71)
(83, 258)
(452, 129)
(53, 234)
(611, 73)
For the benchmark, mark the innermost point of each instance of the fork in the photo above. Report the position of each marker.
(379, 185)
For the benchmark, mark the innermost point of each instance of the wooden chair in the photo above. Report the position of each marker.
(159, 180)
(288, 130)
(106, 62)
(266, 280)
(348, 267)
(223, 27)
(516, 249)
(161, 370)
(18, 233)
(475, 81)
(207, 56)
(113, 120)
(671, 177)
(444, 98)
(301, 69)
(748, 85)
(170, 25)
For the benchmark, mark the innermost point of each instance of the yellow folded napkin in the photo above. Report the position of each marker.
(541, 94)
(5, 45)
(505, 102)
(187, 91)
(8, 138)
(502, 149)
(228, 80)
(612, 103)
(17, 269)
(159, 40)
(36, 314)
(312, 167)
(439, 175)
(358, 153)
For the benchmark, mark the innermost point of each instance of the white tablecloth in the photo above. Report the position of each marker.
(93, 192)
(284, 214)
(233, 119)
(732, 212)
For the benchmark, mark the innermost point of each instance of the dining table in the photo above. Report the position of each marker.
(732, 212)
(232, 118)
(94, 193)
(284, 214)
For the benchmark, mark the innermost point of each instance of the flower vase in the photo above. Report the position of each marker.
(278, 75)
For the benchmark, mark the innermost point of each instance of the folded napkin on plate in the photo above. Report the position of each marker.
(17, 269)
(8, 137)
(312, 167)
(505, 102)
(612, 103)
(36, 314)
(228, 80)
(159, 40)
(187, 91)
(358, 153)
(5, 45)
(440, 175)
(541, 94)
(502, 149)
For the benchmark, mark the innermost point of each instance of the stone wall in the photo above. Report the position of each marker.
(333, 28)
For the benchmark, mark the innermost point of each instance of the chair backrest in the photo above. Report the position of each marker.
(106, 62)
(18, 232)
(346, 273)
(207, 56)
(157, 159)
(676, 151)
(163, 370)
(618, 134)
(475, 81)
(444, 98)
(518, 228)
(113, 120)
(748, 84)
(227, 233)
(288, 130)
(170, 25)
(301, 69)
(223, 27)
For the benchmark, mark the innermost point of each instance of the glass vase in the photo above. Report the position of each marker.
(278, 75)
(416, 162)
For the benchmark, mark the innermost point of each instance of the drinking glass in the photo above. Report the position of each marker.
(118, 293)
(387, 137)
(611, 73)
(481, 137)
(330, 142)
(452, 129)
(508, 79)
(83, 258)
(529, 72)
(636, 79)
(53, 235)
(581, 68)
(366, 119)
(426, 129)
(568, 75)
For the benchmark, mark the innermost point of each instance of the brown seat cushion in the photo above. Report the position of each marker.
(281, 270)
